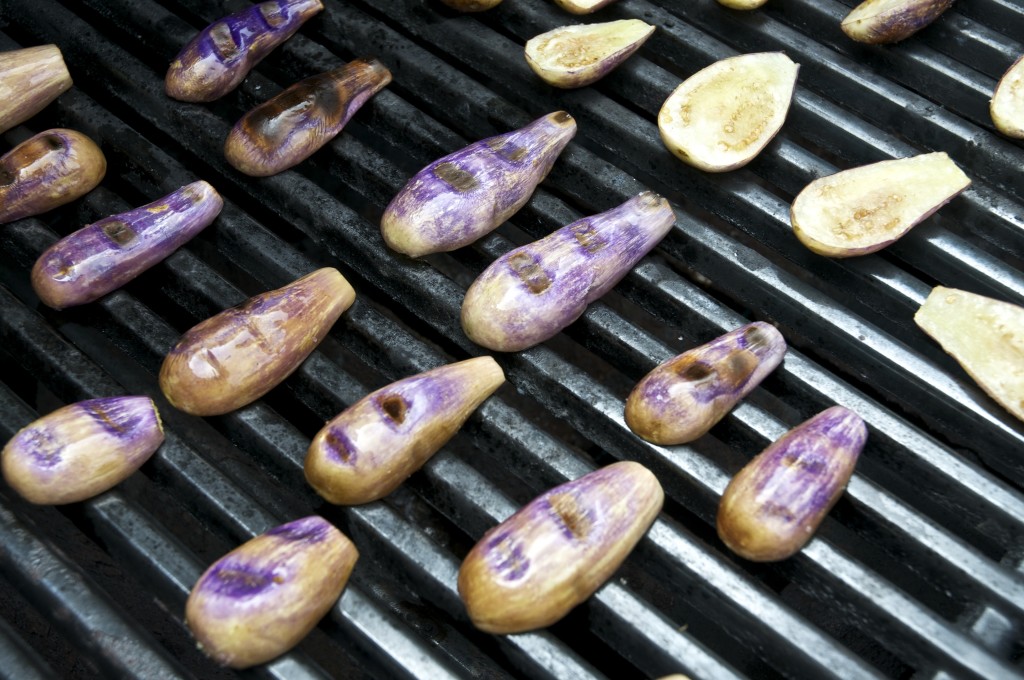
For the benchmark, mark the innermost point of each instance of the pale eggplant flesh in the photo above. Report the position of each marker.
(575, 56)
(531, 293)
(47, 171)
(371, 447)
(887, 21)
(467, 194)
(1007, 105)
(532, 569)
(289, 128)
(105, 255)
(30, 78)
(218, 59)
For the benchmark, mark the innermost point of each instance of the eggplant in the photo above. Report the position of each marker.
(583, 6)
(1007, 105)
(30, 78)
(575, 56)
(887, 21)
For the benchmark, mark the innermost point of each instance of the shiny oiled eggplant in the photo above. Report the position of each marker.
(459, 198)
(81, 450)
(371, 447)
(773, 506)
(888, 21)
(574, 56)
(1007, 105)
(684, 397)
(46, 171)
(30, 79)
(583, 6)
(532, 292)
(107, 254)
(239, 355)
(289, 128)
(218, 59)
(262, 598)
(533, 568)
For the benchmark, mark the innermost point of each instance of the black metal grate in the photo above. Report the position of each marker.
(918, 570)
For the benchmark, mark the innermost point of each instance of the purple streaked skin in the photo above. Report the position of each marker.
(262, 598)
(684, 397)
(46, 171)
(370, 448)
(237, 356)
(30, 79)
(218, 59)
(583, 6)
(289, 128)
(82, 449)
(459, 198)
(107, 254)
(532, 292)
(773, 506)
(530, 570)
(883, 21)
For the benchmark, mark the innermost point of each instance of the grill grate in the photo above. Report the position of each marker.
(917, 571)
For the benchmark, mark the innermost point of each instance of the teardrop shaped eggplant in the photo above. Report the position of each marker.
(533, 568)
(262, 598)
(371, 447)
(289, 128)
(107, 254)
(773, 506)
(30, 79)
(683, 398)
(1007, 105)
(459, 198)
(82, 449)
(46, 171)
(218, 59)
(237, 356)
(530, 293)
(575, 56)
(583, 6)
(879, 22)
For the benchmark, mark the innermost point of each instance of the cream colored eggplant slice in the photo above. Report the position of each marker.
(582, 6)
(864, 209)
(721, 117)
(1007, 107)
(742, 4)
(575, 56)
(985, 336)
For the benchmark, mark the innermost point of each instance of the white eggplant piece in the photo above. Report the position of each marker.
(742, 4)
(864, 209)
(582, 6)
(575, 56)
(879, 22)
(1007, 106)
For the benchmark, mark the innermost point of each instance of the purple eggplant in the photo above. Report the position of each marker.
(82, 449)
(459, 198)
(30, 79)
(263, 597)
(773, 506)
(538, 564)
(46, 171)
(532, 292)
(374, 445)
(237, 356)
(218, 59)
(684, 397)
(888, 21)
(289, 128)
(105, 255)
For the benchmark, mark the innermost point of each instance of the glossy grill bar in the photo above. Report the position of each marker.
(918, 570)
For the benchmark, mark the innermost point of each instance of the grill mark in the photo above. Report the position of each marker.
(102, 416)
(588, 237)
(694, 371)
(119, 232)
(224, 43)
(339, 447)
(394, 406)
(506, 149)
(272, 14)
(573, 519)
(456, 177)
(530, 273)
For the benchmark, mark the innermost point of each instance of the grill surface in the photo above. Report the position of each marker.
(917, 572)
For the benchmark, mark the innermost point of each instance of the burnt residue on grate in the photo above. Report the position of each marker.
(916, 571)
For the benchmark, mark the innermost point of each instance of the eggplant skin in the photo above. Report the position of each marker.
(107, 254)
(289, 128)
(46, 171)
(222, 54)
(30, 78)
(879, 22)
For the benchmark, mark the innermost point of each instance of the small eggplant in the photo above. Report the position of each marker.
(533, 568)
(574, 56)
(258, 601)
(46, 171)
(218, 59)
(773, 506)
(530, 293)
(742, 4)
(684, 397)
(985, 336)
(289, 128)
(459, 198)
(721, 117)
(30, 79)
(105, 255)
(582, 6)
(371, 447)
(1007, 106)
(879, 22)
(861, 210)
(82, 449)
(237, 356)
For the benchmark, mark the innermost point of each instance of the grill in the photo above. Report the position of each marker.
(917, 572)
